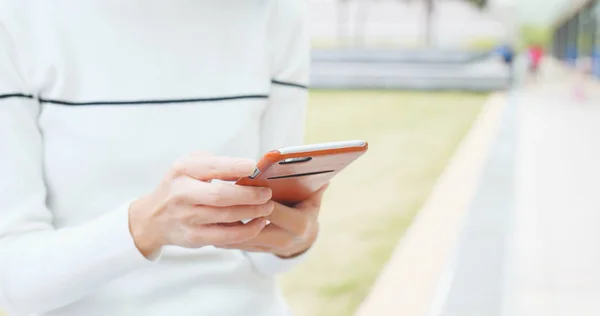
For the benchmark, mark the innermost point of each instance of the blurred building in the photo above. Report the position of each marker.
(455, 24)
(576, 33)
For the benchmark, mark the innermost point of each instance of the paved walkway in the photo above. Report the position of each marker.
(528, 242)
(555, 266)
(476, 273)
(531, 242)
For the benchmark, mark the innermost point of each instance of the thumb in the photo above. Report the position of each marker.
(206, 168)
(315, 199)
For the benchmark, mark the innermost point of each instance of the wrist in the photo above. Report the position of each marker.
(142, 229)
(301, 248)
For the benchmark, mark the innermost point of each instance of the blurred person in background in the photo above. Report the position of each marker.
(105, 208)
(535, 53)
(583, 68)
(507, 54)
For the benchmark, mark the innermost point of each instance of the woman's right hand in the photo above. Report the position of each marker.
(190, 211)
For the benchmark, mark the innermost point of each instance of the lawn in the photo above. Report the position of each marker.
(369, 206)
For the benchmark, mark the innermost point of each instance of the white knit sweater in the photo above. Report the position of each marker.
(97, 99)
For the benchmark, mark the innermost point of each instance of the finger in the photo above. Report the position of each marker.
(220, 235)
(271, 237)
(291, 219)
(231, 214)
(219, 194)
(206, 167)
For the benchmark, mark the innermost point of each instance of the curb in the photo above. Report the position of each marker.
(410, 280)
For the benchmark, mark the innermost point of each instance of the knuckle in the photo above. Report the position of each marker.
(194, 238)
(188, 216)
(259, 195)
(242, 235)
(222, 216)
(264, 210)
(177, 196)
(233, 236)
(210, 167)
(179, 168)
(215, 195)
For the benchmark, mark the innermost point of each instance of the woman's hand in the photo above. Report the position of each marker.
(188, 210)
(292, 231)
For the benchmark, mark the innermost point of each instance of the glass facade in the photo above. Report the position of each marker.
(595, 13)
(578, 35)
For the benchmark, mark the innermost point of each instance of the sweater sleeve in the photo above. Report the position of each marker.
(284, 118)
(41, 267)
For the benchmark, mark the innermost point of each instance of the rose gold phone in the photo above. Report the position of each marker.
(294, 173)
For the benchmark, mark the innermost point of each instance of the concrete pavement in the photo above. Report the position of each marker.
(476, 275)
(529, 240)
(531, 244)
(554, 269)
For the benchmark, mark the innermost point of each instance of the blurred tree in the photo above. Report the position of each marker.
(532, 34)
(342, 21)
(481, 4)
(360, 19)
(429, 11)
(361, 22)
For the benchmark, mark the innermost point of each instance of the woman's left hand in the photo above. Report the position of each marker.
(292, 231)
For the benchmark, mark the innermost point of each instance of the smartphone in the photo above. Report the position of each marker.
(294, 173)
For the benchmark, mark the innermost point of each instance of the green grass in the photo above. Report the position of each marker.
(482, 43)
(369, 206)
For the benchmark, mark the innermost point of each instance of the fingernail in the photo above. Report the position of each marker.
(265, 193)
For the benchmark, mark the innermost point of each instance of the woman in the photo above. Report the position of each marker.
(536, 52)
(103, 210)
(507, 53)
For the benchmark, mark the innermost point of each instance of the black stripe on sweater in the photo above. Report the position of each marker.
(289, 84)
(15, 95)
(154, 102)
